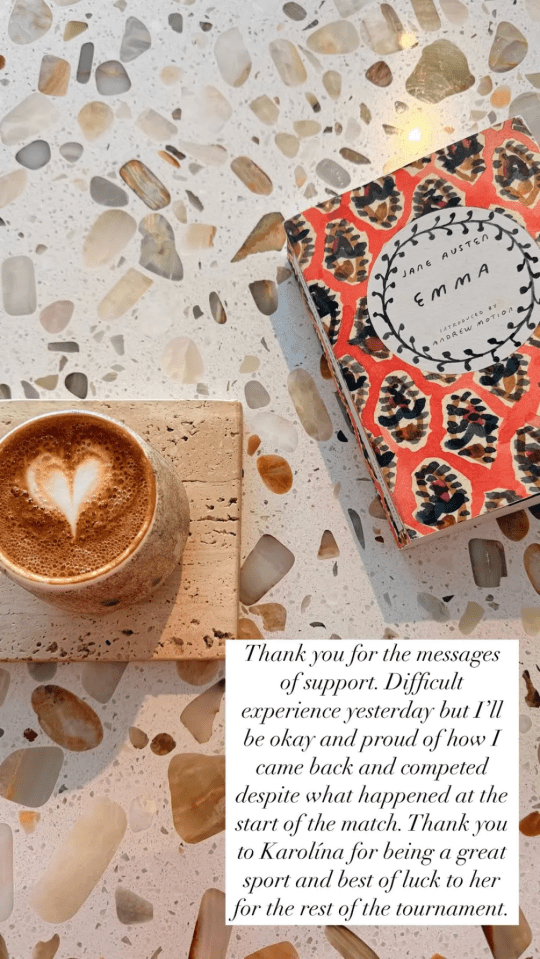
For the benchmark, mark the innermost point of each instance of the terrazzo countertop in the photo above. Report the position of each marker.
(150, 152)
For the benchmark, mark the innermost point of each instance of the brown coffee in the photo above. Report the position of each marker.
(77, 495)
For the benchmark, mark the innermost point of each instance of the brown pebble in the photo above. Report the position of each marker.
(514, 526)
(325, 369)
(247, 629)
(275, 473)
(329, 548)
(162, 744)
(532, 698)
(30, 735)
(253, 444)
(2, 62)
(531, 561)
(274, 616)
(67, 720)
(530, 825)
(137, 738)
(29, 819)
(380, 74)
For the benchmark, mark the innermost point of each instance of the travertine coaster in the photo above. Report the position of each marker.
(191, 615)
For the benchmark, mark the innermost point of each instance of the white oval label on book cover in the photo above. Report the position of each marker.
(456, 290)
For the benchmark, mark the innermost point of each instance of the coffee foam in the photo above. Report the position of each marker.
(76, 493)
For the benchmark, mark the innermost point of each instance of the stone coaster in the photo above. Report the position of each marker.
(191, 615)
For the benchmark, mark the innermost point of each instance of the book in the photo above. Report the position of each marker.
(423, 286)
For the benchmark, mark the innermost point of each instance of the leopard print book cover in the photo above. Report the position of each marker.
(470, 442)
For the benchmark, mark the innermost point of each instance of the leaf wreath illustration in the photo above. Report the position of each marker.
(451, 223)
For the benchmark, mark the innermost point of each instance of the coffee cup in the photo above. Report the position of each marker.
(92, 518)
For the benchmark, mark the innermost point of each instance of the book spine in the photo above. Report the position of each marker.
(394, 520)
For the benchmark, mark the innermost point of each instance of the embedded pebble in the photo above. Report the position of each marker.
(333, 174)
(441, 72)
(181, 361)
(455, 11)
(256, 395)
(352, 156)
(206, 112)
(287, 143)
(210, 154)
(288, 63)
(124, 294)
(138, 738)
(158, 251)
(508, 942)
(100, 680)
(162, 744)
(470, 618)
(267, 563)
(66, 719)
(71, 151)
(328, 548)
(5, 679)
(278, 950)
(426, 14)
(155, 126)
(29, 21)
(530, 620)
(74, 28)
(306, 128)
(55, 317)
(11, 186)
(145, 184)
(19, 286)
(488, 562)
(135, 41)
(508, 49)
(42, 672)
(380, 74)
(514, 526)
(176, 22)
(382, 30)
(233, 59)
(357, 526)
(94, 119)
(332, 83)
(35, 114)
(107, 237)
(198, 672)
(29, 820)
(107, 193)
(197, 791)
(217, 309)
(54, 76)
(309, 405)
(530, 825)
(268, 234)
(253, 443)
(79, 862)
(531, 560)
(435, 607)
(28, 776)
(500, 97)
(265, 109)
(276, 432)
(348, 944)
(86, 59)
(6, 876)
(265, 294)
(199, 714)
(77, 383)
(131, 908)
(251, 175)
(274, 616)
(112, 79)
(46, 949)
(275, 472)
(247, 629)
(211, 935)
(340, 36)
(34, 155)
(294, 11)
(141, 813)
(195, 237)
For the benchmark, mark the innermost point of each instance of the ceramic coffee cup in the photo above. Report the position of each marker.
(92, 518)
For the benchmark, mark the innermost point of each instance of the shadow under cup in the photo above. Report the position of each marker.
(86, 497)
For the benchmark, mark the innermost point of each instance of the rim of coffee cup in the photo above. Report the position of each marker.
(104, 571)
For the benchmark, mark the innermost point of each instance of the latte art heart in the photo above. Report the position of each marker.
(55, 488)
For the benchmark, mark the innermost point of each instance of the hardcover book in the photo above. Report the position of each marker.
(423, 287)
